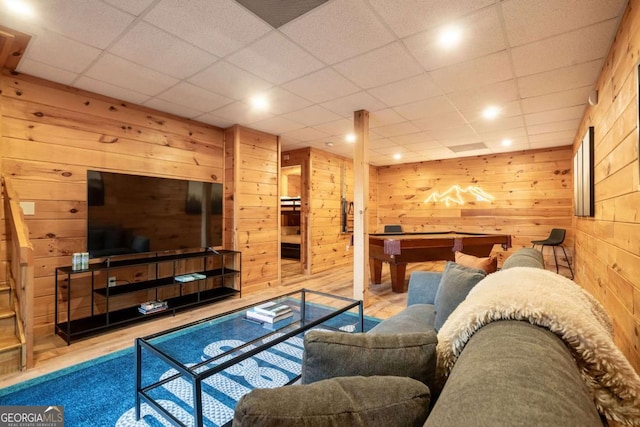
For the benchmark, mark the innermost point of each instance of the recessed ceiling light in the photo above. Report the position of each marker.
(259, 102)
(350, 137)
(329, 144)
(397, 156)
(19, 7)
(506, 142)
(449, 37)
(491, 112)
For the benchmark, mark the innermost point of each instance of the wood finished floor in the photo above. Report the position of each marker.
(52, 353)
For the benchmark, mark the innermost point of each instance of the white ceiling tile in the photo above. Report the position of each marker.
(415, 139)
(427, 107)
(276, 59)
(45, 71)
(452, 134)
(217, 26)
(481, 35)
(188, 95)
(312, 115)
(177, 58)
(397, 129)
(170, 107)
(241, 113)
(551, 143)
(282, 101)
(417, 15)
(120, 72)
(479, 97)
(407, 90)
(229, 80)
(88, 21)
(440, 121)
(553, 101)
(337, 127)
(134, 7)
(436, 153)
(423, 146)
(97, 86)
(545, 128)
(499, 124)
(338, 30)
(560, 138)
(564, 50)
(355, 102)
(555, 115)
(531, 20)
(381, 66)
(306, 134)
(478, 72)
(499, 135)
(61, 52)
(276, 125)
(322, 86)
(558, 80)
(384, 117)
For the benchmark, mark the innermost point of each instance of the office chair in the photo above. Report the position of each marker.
(393, 229)
(556, 238)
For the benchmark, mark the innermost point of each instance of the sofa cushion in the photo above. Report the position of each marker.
(512, 373)
(525, 257)
(488, 264)
(414, 318)
(347, 401)
(457, 280)
(338, 354)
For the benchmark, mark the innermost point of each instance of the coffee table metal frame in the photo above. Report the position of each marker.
(189, 372)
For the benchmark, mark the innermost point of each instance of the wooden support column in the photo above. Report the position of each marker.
(361, 206)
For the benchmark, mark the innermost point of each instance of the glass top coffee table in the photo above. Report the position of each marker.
(193, 375)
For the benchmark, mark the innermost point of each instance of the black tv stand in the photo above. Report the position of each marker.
(86, 305)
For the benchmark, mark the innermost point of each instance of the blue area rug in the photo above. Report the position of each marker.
(101, 392)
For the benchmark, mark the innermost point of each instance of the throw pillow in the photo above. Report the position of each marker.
(456, 282)
(348, 401)
(337, 354)
(488, 264)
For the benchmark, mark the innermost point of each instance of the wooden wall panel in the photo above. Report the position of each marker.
(607, 249)
(532, 193)
(52, 134)
(256, 203)
(328, 245)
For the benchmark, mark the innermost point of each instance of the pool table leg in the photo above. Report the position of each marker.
(375, 267)
(398, 272)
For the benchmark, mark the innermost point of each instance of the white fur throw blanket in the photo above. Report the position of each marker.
(549, 300)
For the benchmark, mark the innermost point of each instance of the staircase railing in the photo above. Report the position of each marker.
(20, 270)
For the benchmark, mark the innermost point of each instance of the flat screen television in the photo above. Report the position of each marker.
(130, 214)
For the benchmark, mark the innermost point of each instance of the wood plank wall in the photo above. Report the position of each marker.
(532, 193)
(52, 134)
(256, 207)
(608, 245)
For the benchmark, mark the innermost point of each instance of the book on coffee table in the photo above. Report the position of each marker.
(252, 314)
(272, 309)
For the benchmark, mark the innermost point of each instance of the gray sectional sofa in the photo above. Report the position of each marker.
(509, 373)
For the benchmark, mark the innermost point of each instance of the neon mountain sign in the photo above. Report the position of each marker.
(455, 195)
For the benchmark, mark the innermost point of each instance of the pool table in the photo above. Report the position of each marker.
(398, 249)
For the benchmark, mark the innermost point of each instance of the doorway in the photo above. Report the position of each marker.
(291, 221)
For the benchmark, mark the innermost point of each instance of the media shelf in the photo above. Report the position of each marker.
(86, 305)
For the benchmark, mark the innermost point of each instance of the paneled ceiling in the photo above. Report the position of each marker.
(536, 61)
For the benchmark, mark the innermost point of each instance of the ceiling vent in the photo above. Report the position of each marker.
(468, 147)
(278, 12)
(12, 46)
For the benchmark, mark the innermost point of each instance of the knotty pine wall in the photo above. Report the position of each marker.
(532, 190)
(608, 245)
(255, 205)
(52, 134)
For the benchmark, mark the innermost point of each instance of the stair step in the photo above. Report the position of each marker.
(5, 295)
(9, 343)
(6, 313)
